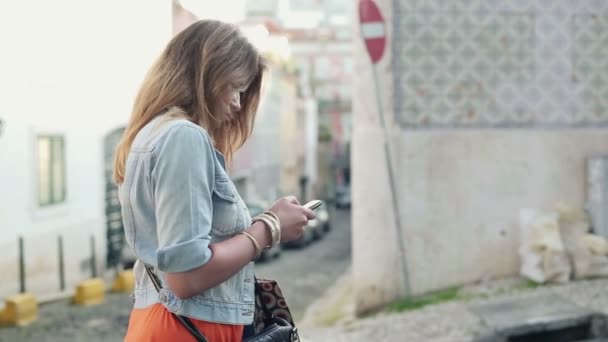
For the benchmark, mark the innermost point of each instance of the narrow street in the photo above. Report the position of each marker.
(303, 274)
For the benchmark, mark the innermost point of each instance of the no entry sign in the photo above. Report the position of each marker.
(372, 29)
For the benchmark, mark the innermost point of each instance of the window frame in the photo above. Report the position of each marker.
(57, 197)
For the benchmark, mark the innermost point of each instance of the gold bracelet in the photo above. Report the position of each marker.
(274, 232)
(277, 225)
(270, 226)
(270, 213)
(256, 245)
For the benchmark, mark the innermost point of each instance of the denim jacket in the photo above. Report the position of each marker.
(176, 200)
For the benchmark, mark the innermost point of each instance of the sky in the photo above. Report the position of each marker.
(225, 10)
(294, 14)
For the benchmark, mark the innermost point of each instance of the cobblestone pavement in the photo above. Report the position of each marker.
(303, 274)
(62, 322)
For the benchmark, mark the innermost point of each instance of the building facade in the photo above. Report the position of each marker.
(490, 108)
(68, 82)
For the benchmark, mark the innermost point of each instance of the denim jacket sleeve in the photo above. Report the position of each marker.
(182, 180)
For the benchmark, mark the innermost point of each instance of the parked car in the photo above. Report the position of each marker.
(316, 227)
(343, 199)
(323, 217)
(306, 239)
(321, 224)
(256, 208)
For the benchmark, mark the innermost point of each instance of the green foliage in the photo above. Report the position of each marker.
(430, 299)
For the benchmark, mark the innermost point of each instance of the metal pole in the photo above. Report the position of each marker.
(21, 265)
(93, 258)
(391, 176)
(61, 264)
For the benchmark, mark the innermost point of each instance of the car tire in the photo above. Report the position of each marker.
(318, 234)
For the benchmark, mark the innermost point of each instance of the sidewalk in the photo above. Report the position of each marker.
(331, 318)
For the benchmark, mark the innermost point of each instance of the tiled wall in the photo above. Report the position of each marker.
(508, 63)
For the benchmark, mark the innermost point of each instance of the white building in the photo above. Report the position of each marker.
(69, 72)
(258, 165)
(320, 39)
(490, 108)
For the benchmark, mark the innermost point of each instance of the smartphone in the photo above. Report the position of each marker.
(312, 205)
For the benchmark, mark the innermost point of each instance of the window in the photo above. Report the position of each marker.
(51, 170)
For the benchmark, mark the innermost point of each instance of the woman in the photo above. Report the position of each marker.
(182, 215)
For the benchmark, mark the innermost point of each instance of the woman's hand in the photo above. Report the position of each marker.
(292, 216)
(231, 255)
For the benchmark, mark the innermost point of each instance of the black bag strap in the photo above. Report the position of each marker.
(185, 321)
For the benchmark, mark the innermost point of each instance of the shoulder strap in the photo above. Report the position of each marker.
(153, 278)
(185, 321)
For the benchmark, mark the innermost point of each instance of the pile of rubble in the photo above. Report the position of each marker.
(558, 246)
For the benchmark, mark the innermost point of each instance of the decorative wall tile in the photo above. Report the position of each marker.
(508, 63)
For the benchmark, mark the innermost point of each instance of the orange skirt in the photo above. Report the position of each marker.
(157, 324)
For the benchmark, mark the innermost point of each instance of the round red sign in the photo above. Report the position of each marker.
(372, 29)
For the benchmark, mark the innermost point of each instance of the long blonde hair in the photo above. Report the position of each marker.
(195, 69)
